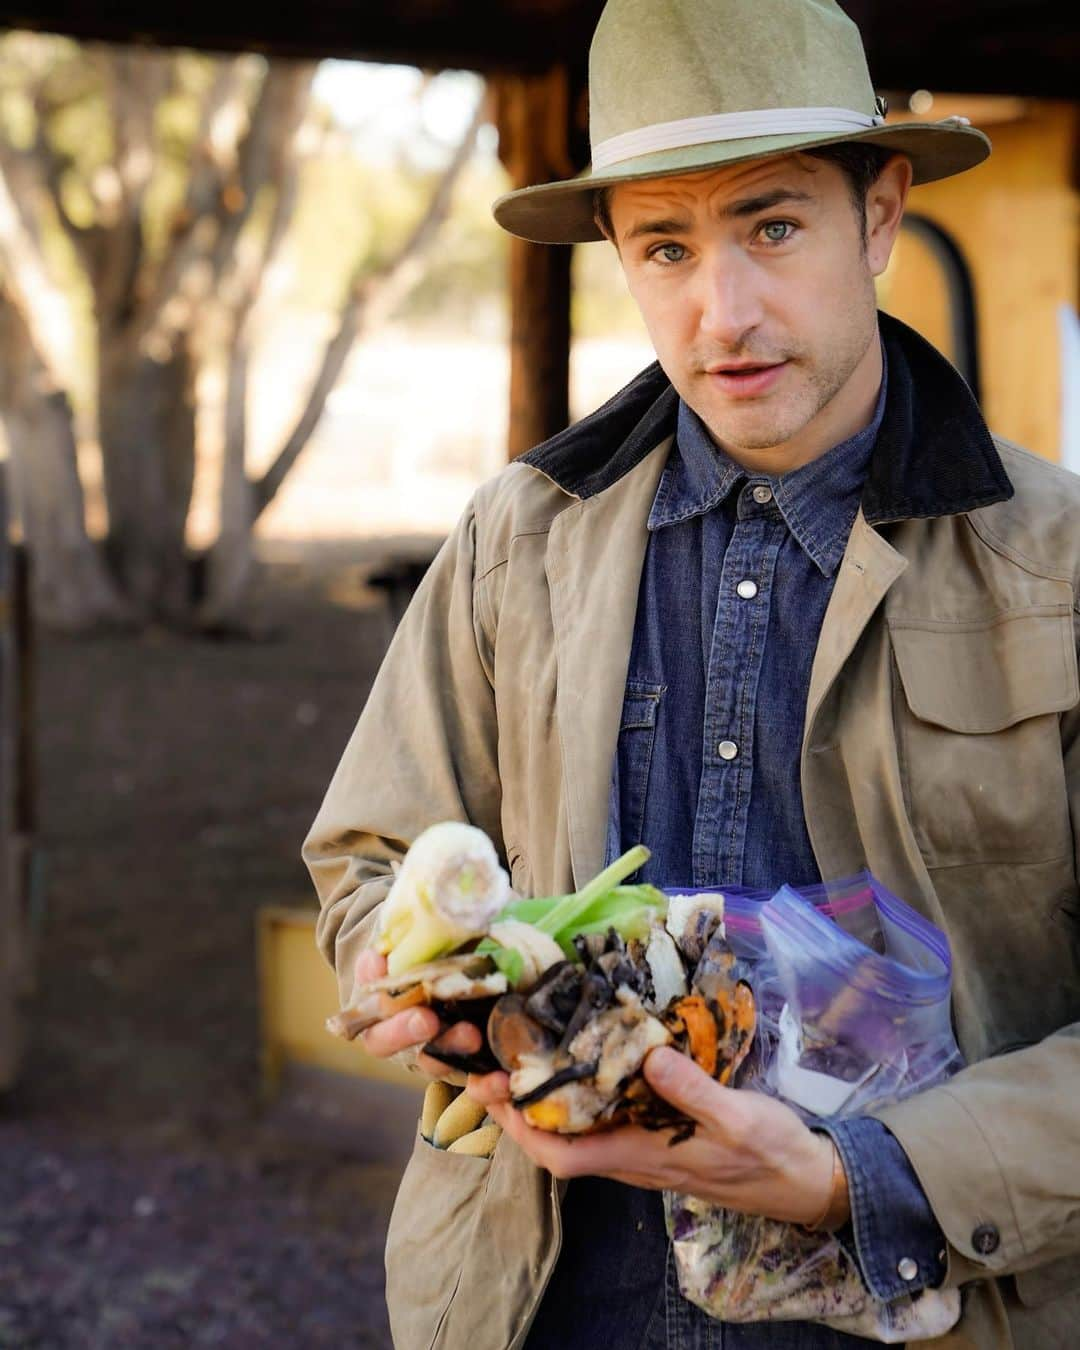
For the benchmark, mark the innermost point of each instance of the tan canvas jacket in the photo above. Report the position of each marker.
(940, 750)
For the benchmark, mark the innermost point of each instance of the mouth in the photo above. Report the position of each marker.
(746, 379)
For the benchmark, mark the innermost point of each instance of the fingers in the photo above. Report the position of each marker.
(434, 1068)
(489, 1088)
(404, 1029)
(564, 1156)
(679, 1081)
(463, 1039)
(370, 966)
(546, 1150)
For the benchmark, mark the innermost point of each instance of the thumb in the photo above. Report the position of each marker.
(678, 1080)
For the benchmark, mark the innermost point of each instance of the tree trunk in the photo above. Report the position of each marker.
(146, 420)
(231, 561)
(71, 589)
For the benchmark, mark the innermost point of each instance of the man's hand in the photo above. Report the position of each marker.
(412, 1028)
(749, 1152)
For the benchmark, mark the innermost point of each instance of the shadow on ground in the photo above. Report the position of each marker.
(146, 1199)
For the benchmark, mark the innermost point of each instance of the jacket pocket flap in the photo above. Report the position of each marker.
(984, 676)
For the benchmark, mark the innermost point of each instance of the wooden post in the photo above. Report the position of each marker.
(541, 138)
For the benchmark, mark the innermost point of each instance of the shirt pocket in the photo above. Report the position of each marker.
(978, 733)
(637, 736)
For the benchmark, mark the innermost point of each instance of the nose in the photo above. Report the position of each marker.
(731, 299)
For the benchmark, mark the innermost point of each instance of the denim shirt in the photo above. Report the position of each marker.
(737, 574)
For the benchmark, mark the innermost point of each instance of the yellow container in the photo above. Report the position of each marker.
(297, 993)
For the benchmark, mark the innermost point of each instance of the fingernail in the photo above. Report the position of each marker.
(418, 1025)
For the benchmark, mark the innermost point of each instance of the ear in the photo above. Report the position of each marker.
(885, 202)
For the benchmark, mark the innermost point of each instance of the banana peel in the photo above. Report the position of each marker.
(450, 1120)
(437, 1097)
(477, 1143)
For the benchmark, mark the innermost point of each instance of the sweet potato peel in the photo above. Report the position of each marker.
(692, 1017)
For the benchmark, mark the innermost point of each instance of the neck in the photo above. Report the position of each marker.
(849, 410)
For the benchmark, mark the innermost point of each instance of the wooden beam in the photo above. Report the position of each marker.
(1025, 47)
(542, 137)
(1021, 47)
(484, 35)
(539, 343)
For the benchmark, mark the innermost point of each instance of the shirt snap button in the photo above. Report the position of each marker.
(907, 1269)
(762, 494)
(746, 590)
(727, 749)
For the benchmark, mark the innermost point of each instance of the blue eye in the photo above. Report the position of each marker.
(670, 253)
(776, 231)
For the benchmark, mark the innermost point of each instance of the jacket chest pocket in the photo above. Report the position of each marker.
(979, 737)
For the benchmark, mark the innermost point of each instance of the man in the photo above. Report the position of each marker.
(780, 610)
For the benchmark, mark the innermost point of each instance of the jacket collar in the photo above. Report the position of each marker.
(934, 455)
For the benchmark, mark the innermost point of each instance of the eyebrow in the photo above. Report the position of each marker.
(752, 206)
(738, 210)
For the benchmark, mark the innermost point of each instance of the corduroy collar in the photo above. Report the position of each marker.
(933, 457)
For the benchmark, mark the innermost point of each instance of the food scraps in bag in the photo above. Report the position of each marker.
(856, 1016)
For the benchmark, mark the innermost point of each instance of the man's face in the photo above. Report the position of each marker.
(756, 285)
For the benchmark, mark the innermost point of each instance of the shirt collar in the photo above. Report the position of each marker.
(818, 501)
(697, 477)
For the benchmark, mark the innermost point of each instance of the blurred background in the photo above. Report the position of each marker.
(259, 341)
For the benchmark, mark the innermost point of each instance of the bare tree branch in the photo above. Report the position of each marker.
(134, 83)
(34, 180)
(281, 103)
(39, 298)
(243, 288)
(371, 298)
(220, 121)
(231, 564)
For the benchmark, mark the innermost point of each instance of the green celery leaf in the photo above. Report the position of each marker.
(510, 962)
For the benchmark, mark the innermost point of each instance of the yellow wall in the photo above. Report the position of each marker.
(1015, 219)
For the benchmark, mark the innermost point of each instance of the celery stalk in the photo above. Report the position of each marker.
(564, 914)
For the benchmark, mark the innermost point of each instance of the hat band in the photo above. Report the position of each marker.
(734, 126)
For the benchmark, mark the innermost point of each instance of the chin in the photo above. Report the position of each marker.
(754, 433)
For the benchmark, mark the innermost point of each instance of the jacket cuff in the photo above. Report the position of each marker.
(892, 1235)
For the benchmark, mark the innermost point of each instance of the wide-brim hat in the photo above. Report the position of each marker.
(680, 86)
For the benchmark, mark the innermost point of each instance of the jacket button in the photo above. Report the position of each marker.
(986, 1239)
(907, 1269)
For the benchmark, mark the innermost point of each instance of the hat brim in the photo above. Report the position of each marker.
(562, 213)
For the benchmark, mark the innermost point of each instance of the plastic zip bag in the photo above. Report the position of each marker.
(853, 993)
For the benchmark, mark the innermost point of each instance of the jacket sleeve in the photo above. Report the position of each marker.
(423, 750)
(997, 1148)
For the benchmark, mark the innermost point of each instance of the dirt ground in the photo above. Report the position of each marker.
(147, 1199)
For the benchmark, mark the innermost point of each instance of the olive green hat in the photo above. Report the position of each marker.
(677, 86)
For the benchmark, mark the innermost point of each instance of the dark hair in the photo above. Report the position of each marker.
(860, 164)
